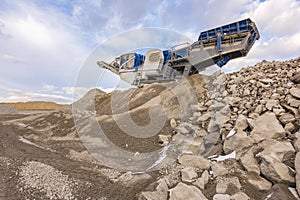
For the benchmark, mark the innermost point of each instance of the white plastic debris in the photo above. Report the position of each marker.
(222, 158)
(231, 133)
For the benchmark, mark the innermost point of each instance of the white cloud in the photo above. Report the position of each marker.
(21, 96)
(49, 88)
(12, 58)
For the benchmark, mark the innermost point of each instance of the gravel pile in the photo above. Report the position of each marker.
(37, 177)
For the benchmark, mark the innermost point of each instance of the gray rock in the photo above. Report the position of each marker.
(205, 117)
(287, 118)
(184, 192)
(297, 144)
(296, 78)
(273, 156)
(297, 167)
(161, 192)
(201, 132)
(279, 192)
(249, 162)
(293, 102)
(202, 181)
(223, 183)
(276, 151)
(277, 172)
(239, 142)
(188, 174)
(164, 139)
(196, 161)
(241, 123)
(221, 197)
(266, 81)
(289, 127)
(259, 109)
(272, 104)
(218, 169)
(258, 182)
(239, 196)
(128, 179)
(295, 92)
(267, 126)
(173, 123)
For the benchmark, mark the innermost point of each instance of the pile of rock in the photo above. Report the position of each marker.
(246, 138)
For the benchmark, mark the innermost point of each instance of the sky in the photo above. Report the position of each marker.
(44, 44)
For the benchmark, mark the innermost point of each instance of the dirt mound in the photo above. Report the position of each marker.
(35, 105)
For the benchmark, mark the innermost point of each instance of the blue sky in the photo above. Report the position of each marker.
(44, 43)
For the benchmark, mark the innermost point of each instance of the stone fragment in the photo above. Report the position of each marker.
(184, 192)
(287, 118)
(239, 196)
(289, 127)
(205, 117)
(128, 179)
(163, 140)
(202, 181)
(241, 123)
(221, 197)
(196, 161)
(161, 192)
(173, 123)
(297, 144)
(293, 102)
(239, 142)
(297, 167)
(249, 162)
(218, 169)
(272, 104)
(279, 191)
(267, 126)
(274, 155)
(295, 92)
(223, 183)
(277, 172)
(296, 78)
(258, 182)
(188, 174)
(276, 151)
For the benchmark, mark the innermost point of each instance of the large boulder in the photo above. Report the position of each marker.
(277, 173)
(267, 126)
(277, 151)
(184, 192)
(274, 155)
(239, 142)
